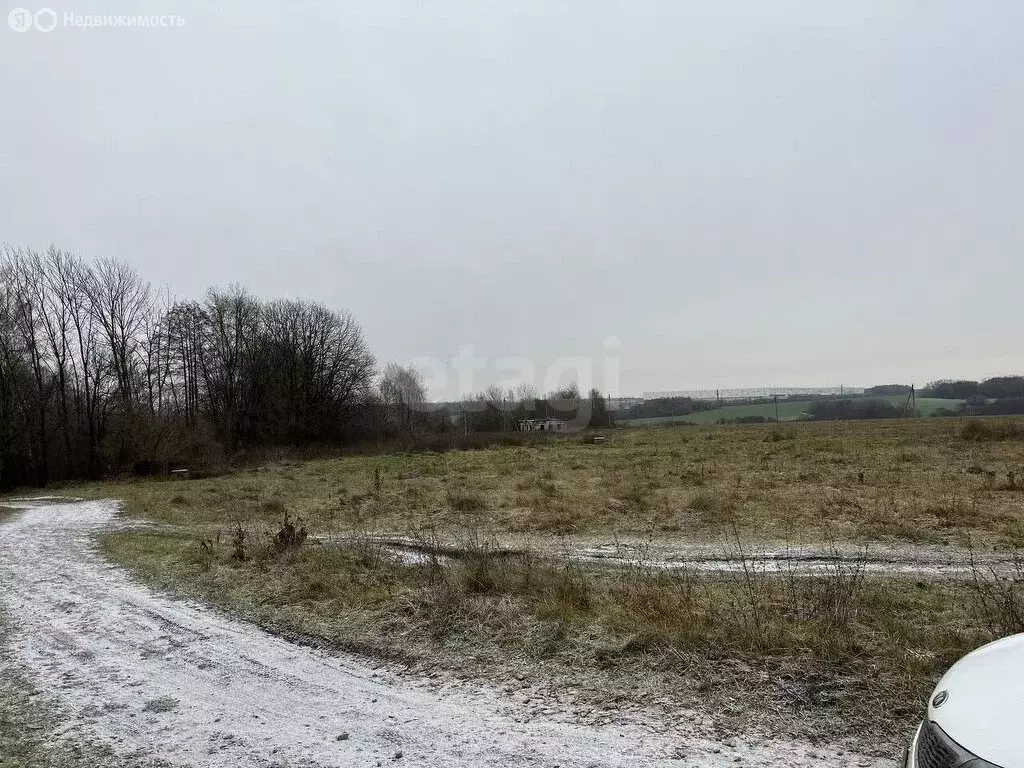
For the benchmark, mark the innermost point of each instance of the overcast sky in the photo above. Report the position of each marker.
(735, 193)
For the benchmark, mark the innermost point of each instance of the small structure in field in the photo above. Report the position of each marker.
(543, 425)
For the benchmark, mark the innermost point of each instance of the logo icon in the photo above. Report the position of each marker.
(45, 19)
(20, 20)
(940, 699)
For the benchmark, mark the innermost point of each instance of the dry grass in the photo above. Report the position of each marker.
(836, 652)
(854, 652)
(992, 430)
(465, 501)
(999, 596)
(914, 481)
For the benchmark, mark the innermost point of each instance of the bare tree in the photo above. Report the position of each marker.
(319, 366)
(403, 394)
(29, 314)
(91, 368)
(97, 374)
(232, 326)
(12, 378)
(120, 303)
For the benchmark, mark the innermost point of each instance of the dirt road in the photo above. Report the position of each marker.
(167, 682)
(893, 561)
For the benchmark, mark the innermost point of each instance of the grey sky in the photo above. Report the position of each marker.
(743, 194)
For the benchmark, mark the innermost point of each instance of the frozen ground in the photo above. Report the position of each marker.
(168, 682)
(911, 561)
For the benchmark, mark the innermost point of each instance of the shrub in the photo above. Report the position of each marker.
(465, 501)
(637, 491)
(711, 507)
(238, 544)
(999, 598)
(272, 507)
(1005, 407)
(977, 430)
(289, 536)
(204, 554)
(855, 409)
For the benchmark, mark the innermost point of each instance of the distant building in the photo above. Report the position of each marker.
(543, 425)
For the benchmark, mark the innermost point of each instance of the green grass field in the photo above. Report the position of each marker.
(927, 406)
(788, 411)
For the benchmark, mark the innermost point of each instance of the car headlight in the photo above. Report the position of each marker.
(936, 750)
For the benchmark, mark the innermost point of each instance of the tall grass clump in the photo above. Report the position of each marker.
(465, 501)
(979, 431)
(999, 596)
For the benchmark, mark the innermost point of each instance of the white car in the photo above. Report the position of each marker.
(976, 714)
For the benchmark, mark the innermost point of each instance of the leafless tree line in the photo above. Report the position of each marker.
(403, 403)
(503, 410)
(100, 373)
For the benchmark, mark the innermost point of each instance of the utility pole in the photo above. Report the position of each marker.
(911, 403)
(776, 409)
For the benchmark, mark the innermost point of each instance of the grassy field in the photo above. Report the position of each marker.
(839, 654)
(842, 652)
(913, 481)
(927, 406)
(788, 411)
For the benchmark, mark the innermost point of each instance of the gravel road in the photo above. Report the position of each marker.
(165, 682)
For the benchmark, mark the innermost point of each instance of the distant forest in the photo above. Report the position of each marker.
(1000, 395)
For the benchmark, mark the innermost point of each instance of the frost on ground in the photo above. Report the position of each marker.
(176, 683)
(910, 561)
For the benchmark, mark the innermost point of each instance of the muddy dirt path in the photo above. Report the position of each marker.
(891, 561)
(168, 682)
